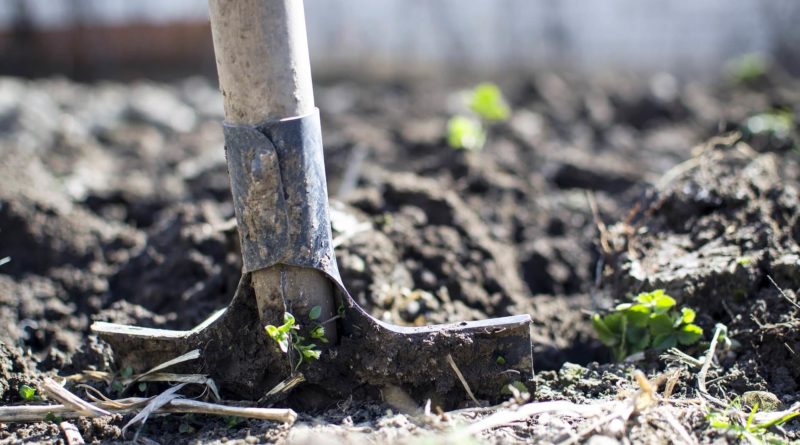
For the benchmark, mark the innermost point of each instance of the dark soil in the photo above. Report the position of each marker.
(115, 206)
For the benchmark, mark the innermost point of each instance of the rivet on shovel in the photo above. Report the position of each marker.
(274, 154)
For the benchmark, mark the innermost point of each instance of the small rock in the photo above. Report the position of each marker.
(766, 401)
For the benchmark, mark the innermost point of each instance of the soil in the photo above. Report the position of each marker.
(115, 206)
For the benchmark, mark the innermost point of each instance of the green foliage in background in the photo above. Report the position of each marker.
(486, 105)
(651, 321)
(465, 132)
(748, 68)
(778, 122)
(487, 101)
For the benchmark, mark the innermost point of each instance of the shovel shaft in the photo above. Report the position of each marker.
(264, 75)
(262, 59)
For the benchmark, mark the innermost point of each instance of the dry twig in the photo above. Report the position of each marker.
(461, 378)
(57, 392)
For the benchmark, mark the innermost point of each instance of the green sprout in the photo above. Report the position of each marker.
(487, 101)
(288, 334)
(27, 393)
(50, 417)
(486, 105)
(778, 122)
(651, 321)
(465, 132)
(732, 421)
(748, 68)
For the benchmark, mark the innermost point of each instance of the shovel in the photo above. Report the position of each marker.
(274, 154)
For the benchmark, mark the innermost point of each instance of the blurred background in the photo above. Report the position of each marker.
(94, 39)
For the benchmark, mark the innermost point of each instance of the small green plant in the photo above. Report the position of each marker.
(50, 417)
(486, 105)
(465, 132)
(778, 122)
(487, 101)
(288, 334)
(731, 421)
(651, 321)
(747, 68)
(27, 393)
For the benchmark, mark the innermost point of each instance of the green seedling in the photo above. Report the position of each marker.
(748, 68)
(465, 132)
(288, 335)
(27, 393)
(50, 417)
(778, 122)
(487, 101)
(749, 429)
(233, 421)
(651, 321)
(486, 106)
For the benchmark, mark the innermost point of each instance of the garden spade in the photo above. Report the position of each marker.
(274, 155)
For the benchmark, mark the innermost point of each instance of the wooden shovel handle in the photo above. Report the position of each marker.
(264, 72)
(262, 59)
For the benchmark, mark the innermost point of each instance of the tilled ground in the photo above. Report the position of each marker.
(114, 205)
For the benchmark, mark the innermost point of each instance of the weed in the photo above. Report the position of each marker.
(27, 393)
(465, 132)
(748, 68)
(748, 429)
(50, 417)
(487, 101)
(486, 105)
(288, 334)
(778, 122)
(233, 421)
(651, 321)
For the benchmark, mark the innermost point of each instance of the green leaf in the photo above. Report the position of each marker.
(664, 341)
(661, 324)
(487, 102)
(663, 303)
(288, 318)
(142, 387)
(500, 360)
(233, 421)
(126, 372)
(50, 417)
(649, 297)
(273, 332)
(638, 339)
(315, 312)
(27, 393)
(615, 322)
(605, 335)
(638, 315)
(283, 342)
(687, 315)
(310, 353)
(690, 334)
(318, 332)
(464, 132)
(622, 306)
